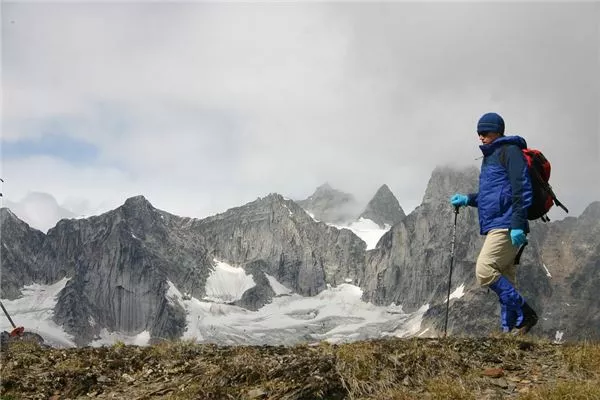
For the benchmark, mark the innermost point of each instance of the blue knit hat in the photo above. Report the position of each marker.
(490, 122)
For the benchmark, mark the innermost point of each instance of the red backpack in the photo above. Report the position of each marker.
(543, 195)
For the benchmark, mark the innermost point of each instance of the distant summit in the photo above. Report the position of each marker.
(445, 181)
(384, 208)
(331, 205)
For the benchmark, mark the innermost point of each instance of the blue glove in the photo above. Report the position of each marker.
(459, 200)
(518, 237)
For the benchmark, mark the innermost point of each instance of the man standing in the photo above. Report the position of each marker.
(502, 201)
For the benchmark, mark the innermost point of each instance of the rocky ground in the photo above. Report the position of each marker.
(500, 367)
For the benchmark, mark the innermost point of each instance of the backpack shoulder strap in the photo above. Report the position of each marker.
(502, 156)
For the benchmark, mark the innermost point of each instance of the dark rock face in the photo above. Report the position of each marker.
(261, 294)
(570, 251)
(302, 254)
(119, 264)
(384, 208)
(20, 254)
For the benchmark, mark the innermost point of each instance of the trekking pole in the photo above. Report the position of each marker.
(450, 275)
(16, 331)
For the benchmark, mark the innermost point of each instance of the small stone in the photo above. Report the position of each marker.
(493, 372)
(501, 382)
(103, 379)
(128, 378)
(256, 393)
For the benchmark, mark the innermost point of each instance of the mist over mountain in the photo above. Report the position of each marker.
(340, 208)
(40, 210)
(331, 205)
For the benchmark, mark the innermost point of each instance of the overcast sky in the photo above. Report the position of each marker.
(205, 106)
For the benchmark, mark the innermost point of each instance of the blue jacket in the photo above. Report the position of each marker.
(504, 186)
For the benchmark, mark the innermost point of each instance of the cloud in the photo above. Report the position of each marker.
(205, 106)
(39, 210)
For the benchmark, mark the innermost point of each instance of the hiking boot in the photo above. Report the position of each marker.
(508, 318)
(511, 304)
(530, 318)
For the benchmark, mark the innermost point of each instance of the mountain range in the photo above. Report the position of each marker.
(139, 269)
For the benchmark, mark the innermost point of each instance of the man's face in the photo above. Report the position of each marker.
(488, 137)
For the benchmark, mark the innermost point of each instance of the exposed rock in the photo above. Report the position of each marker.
(120, 264)
(384, 208)
(261, 294)
(302, 254)
(20, 250)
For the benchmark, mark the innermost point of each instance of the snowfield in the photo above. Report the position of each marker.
(335, 315)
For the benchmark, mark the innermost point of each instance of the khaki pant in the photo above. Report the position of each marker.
(496, 258)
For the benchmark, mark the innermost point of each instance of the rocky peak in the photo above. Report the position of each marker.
(327, 193)
(137, 204)
(331, 205)
(137, 210)
(592, 212)
(445, 181)
(384, 208)
(9, 221)
(272, 206)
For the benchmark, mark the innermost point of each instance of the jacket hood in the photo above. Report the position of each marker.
(488, 149)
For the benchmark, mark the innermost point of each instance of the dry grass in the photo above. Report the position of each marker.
(565, 390)
(391, 369)
(584, 358)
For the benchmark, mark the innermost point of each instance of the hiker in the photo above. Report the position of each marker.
(502, 201)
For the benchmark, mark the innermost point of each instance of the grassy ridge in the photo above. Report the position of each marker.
(449, 368)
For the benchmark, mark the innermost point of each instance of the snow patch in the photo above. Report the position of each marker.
(108, 338)
(547, 272)
(458, 293)
(367, 230)
(558, 337)
(312, 216)
(227, 283)
(277, 287)
(412, 325)
(336, 315)
(34, 311)
(289, 211)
